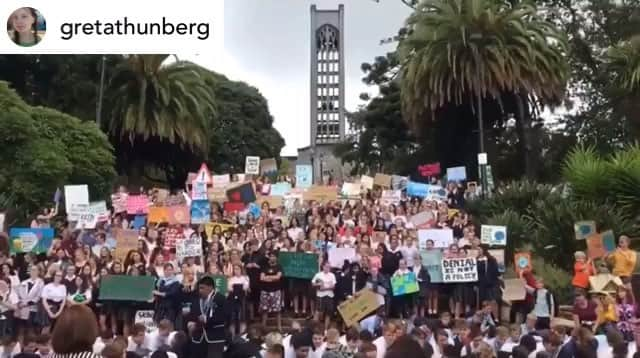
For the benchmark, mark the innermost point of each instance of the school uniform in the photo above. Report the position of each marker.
(29, 293)
(209, 337)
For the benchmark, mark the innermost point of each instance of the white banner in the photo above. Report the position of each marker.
(459, 270)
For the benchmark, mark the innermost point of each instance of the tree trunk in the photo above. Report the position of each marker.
(523, 126)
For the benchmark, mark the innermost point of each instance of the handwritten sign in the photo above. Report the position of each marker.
(145, 317)
(459, 270)
(338, 255)
(137, 204)
(493, 235)
(429, 170)
(442, 238)
(191, 247)
(354, 309)
(174, 234)
(126, 240)
(404, 284)
(199, 191)
(321, 194)
(298, 264)
(252, 165)
(391, 197)
(366, 182)
(76, 194)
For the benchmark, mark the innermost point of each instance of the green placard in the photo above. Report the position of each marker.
(298, 264)
(127, 288)
(404, 284)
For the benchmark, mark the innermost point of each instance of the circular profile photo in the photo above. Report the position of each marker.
(26, 27)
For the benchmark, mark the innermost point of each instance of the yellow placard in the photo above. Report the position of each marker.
(382, 180)
(274, 201)
(321, 194)
(208, 228)
(358, 307)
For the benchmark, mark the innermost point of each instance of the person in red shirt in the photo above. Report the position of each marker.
(525, 306)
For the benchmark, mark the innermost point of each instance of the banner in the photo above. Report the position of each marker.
(522, 262)
(442, 238)
(493, 235)
(298, 264)
(200, 212)
(382, 180)
(191, 247)
(76, 195)
(583, 229)
(252, 165)
(366, 182)
(338, 255)
(22, 240)
(179, 215)
(354, 309)
(321, 194)
(137, 204)
(459, 270)
(514, 290)
(429, 170)
(280, 189)
(158, 215)
(391, 197)
(404, 284)
(127, 288)
(268, 166)
(126, 240)
(432, 261)
(456, 174)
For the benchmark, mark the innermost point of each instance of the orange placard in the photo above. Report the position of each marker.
(522, 262)
(158, 214)
(179, 215)
(595, 246)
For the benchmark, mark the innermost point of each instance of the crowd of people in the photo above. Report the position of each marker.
(194, 318)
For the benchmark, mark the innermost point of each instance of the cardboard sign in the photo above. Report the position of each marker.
(137, 204)
(399, 182)
(280, 189)
(126, 240)
(404, 284)
(429, 170)
(522, 262)
(158, 215)
(252, 165)
(23, 240)
(338, 255)
(595, 246)
(366, 182)
(390, 197)
(273, 201)
(268, 166)
(584, 229)
(200, 212)
(76, 195)
(442, 238)
(190, 247)
(298, 264)
(179, 215)
(499, 256)
(457, 174)
(422, 219)
(382, 180)
(354, 309)
(145, 317)
(493, 235)
(514, 290)
(321, 194)
(432, 261)
(221, 181)
(459, 270)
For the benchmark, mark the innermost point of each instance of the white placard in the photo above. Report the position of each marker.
(2, 218)
(252, 165)
(459, 270)
(442, 238)
(75, 195)
(391, 197)
(493, 235)
(88, 216)
(482, 158)
(339, 254)
(366, 182)
(145, 317)
(190, 247)
(199, 190)
(221, 181)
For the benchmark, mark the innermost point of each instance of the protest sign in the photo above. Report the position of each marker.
(76, 195)
(137, 204)
(273, 201)
(199, 191)
(200, 212)
(422, 219)
(366, 182)
(399, 182)
(268, 166)
(280, 189)
(583, 229)
(189, 247)
(203, 175)
(221, 181)
(304, 176)
(609, 241)
(457, 174)
(404, 284)
(158, 215)
(429, 170)
(436, 192)
(338, 255)
(139, 221)
(442, 238)
(522, 262)
(432, 261)
(499, 255)
(354, 309)
(145, 318)
(390, 197)
(493, 235)
(23, 240)
(179, 215)
(127, 288)
(174, 234)
(218, 228)
(459, 270)
(417, 189)
(126, 240)
(217, 194)
(595, 246)
(350, 190)
(233, 207)
(242, 193)
(382, 180)
(298, 264)
(159, 196)
(88, 216)
(321, 194)
(252, 165)
(514, 290)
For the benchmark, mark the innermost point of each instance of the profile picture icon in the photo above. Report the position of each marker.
(26, 26)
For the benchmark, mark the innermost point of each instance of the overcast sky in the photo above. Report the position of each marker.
(266, 44)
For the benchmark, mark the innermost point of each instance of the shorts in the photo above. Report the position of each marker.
(325, 306)
(271, 302)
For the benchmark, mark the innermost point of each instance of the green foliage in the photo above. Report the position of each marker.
(44, 149)
(556, 279)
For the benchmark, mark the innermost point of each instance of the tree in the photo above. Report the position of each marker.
(465, 53)
(45, 149)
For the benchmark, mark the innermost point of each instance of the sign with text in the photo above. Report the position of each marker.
(441, 238)
(404, 284)
(321, 194)
(137, 204)
(382, 180)
(493, 235)
(391, 197)
(252, 165)
(366, 182)
(199, 191)
(457, 174)
(76, 194)
(191, 247)
(88, 216)
(145, 317)
(354, 309)
(22, 240)
(338, 255)
(584, 229)
(429, 170)
(298, 264)
(459, 270)
(126, 240)
(200, 212)
(158, 214)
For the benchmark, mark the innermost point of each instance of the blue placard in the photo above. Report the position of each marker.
(304, 176)
(417, 189)
(200, 212)
(255, 210)
(139, 221)
(30, 240)
(280, 189)
(457, 174)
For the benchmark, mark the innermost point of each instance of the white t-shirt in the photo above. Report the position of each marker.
(53, 292)
(409, 254)
(328, 280)
(11, 299)
(381, 347)
(155, 341)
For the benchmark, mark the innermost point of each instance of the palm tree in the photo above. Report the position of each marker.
(623, 65)
(463, 52)
(169, 103)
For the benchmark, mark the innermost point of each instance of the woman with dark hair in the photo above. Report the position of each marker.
(405, 347)
(54, 296)
(168, 295)
(80, 292)
(75, 333)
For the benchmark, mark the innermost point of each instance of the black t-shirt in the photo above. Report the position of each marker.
(271, 286)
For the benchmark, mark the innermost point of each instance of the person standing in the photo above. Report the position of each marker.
(207, 323)
(325, 283)
(270, 291)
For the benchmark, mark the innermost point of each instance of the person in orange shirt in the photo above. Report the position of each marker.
(623, 259)
(582, 269)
